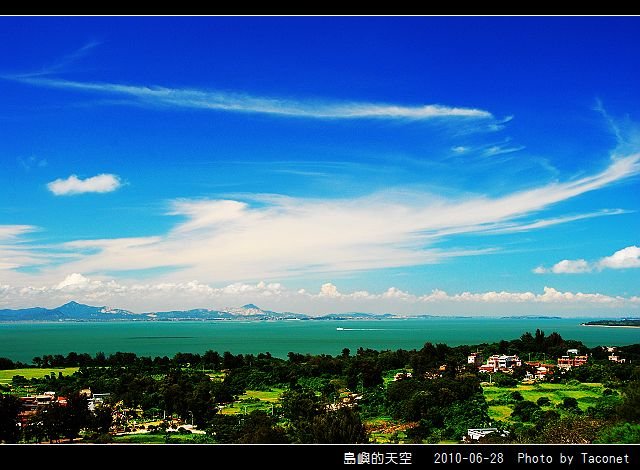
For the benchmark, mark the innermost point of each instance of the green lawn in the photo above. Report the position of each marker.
(500, 412)
(497, 397)
(271, 396)
(140, 439)
(253, 400)
(175, 437)
(30, 373)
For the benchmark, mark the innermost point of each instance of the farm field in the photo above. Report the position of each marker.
(29, 373)
(253, 400)
(501, 404)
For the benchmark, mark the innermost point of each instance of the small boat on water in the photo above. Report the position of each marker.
(339, 329)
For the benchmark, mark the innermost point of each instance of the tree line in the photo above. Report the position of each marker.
(440, 401)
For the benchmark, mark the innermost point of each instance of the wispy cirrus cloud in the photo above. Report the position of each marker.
(15, 251)
(495, 150)
(216, 100)
(275, 237)
(63, 63)
(538, 224)
(103, 183)
(14, 231)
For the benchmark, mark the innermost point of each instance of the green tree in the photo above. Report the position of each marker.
(101, 419)
(75, 416)
(299, 407)
(300, 404)
(10, 407)
(630, 407)
(622, 433)
(504, 380)
(570, 404)
(201, 403)
(543, 401)
(571, 430)
(260, 428)
(51, 421)
(225, 429)
(342, 426)
(525, 410)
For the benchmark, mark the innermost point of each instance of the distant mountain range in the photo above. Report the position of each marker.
(74, 311)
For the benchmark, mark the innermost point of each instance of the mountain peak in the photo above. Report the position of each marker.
(251, 306)
(73, 303)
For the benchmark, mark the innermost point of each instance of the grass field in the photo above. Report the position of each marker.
(253, 400)
(147, 438)
(30, 373)
(140, 439)
(497, 397)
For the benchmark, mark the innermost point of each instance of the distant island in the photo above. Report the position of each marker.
(77, 312)
(625, 322)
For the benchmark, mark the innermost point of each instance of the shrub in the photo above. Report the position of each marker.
(543, 401)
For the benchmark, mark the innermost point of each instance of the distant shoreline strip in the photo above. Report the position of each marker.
(611, 326)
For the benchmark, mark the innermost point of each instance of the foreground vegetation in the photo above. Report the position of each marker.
(6, 375)
(348, 398)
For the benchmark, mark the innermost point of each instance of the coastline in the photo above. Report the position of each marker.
(611, 326)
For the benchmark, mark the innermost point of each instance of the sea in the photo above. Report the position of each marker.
(24, 341)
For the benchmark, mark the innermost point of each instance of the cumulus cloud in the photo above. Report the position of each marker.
(628, 257)
(144, 297)
(72, 281)
(571, 267)
(103, 183)
(245, 103)
(329, 290)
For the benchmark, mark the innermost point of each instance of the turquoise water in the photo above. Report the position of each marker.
(24, 341)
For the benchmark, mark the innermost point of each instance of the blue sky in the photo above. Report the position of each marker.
(406, 165)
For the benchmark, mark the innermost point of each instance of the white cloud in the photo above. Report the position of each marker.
(241, 102)
(104, 183)
(566, 266)
(277, 237)
(554, 296)
(194, 294)
(500, 150)
(520, 227)
(72, 281)
(15, 252)
(14, 231)
(329, 290)
(628, 257)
